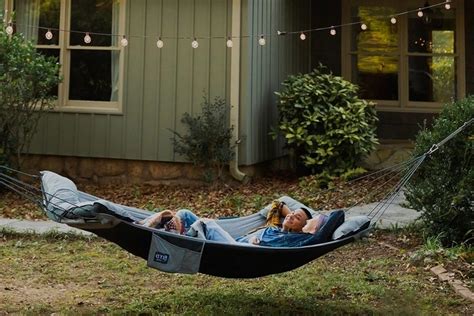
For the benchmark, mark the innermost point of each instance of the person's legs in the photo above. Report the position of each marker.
(212, 231)
(187, 218)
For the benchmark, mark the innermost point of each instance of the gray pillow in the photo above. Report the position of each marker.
(60, 192)
(350, 226)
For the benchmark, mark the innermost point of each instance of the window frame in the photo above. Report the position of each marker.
(63, 103)
(403, 104)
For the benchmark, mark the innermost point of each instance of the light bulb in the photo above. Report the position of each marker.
(333, 31)
(302, 36)
(124, 41)
(393, 20)
(9, 29)
(229, 43)
(363, 26)
(48, 35)
(262, 41)
(195, 43)
(159, 43)
(87, 39)
(420, 13)
(448, 5)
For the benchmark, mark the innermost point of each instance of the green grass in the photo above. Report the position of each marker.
(71, 274)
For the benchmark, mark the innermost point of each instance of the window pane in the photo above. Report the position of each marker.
(98, 16)
(51, 53)
(377, 76)
(35, 17)
(426, 34)
(380, 37)
(432, 79)
(94, 75)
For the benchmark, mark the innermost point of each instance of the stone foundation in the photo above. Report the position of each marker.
(120, 171)
(114, 171)
(388, 154)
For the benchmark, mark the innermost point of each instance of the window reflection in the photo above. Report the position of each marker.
(30, 15)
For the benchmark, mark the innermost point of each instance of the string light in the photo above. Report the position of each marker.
(303, 35)
(447, 6)
(160, 43)
(87, 38)
(9, 29)
(124, 41)
(48, 35)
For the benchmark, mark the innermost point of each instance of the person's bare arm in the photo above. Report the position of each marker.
(154, 219)
(285, 210)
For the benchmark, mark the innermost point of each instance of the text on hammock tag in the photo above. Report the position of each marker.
(161, 257)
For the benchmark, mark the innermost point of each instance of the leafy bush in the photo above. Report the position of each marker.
(443, 187)
(324, 122)
(207, 143)
(26, 81)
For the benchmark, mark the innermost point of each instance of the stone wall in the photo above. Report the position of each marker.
(114, 171)
(388, 154)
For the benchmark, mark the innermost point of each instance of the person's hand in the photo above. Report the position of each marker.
(254, 240)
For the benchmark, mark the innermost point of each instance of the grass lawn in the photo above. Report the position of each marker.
(70, 274)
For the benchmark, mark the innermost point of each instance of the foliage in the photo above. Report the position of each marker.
(443, 187)
(26, 81)
(207, 142)
(324, 122)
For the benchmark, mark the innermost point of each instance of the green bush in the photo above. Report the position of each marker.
(26, 81)
(325, 123)
(207, 143)
(443, 187)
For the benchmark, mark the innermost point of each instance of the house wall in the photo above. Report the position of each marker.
(326, 49)
(469, 29)
(160, 84)
(264, 68)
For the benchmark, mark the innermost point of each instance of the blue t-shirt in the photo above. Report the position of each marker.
(276, 237)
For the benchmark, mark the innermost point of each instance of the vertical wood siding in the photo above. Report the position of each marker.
(160, 84)
(469, 40)
(265, 67)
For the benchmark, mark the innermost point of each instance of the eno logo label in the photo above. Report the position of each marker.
(161, 257)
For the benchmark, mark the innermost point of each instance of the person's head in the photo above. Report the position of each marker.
(296, 220)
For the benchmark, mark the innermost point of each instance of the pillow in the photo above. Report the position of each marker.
(351, 226)
(60, 192)
(335, 219)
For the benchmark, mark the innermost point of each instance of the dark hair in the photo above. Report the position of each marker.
(308, 213)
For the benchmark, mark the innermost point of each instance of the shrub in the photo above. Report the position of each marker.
(324, 122)
(26, 80)
(443, 187)
(207, 143)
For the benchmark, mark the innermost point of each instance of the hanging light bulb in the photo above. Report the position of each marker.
(261, 40)
(332, 31)
(363, 26)
(48, 35)
(447, 6)
(393, 20)
(9, 29)
(195, 43)
(124, 41)
(420, 13)
(160, 43)
(229, 42)
(87, 38)
(302, 36)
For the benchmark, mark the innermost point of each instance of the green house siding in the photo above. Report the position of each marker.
(469, 40)
(160, 85)
(265, 67)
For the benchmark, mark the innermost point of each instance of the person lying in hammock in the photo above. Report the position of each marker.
(297, 228)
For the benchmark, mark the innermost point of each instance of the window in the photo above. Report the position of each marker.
(416, 64)
(92, 72)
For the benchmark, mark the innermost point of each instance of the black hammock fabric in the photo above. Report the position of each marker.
(171, 252)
